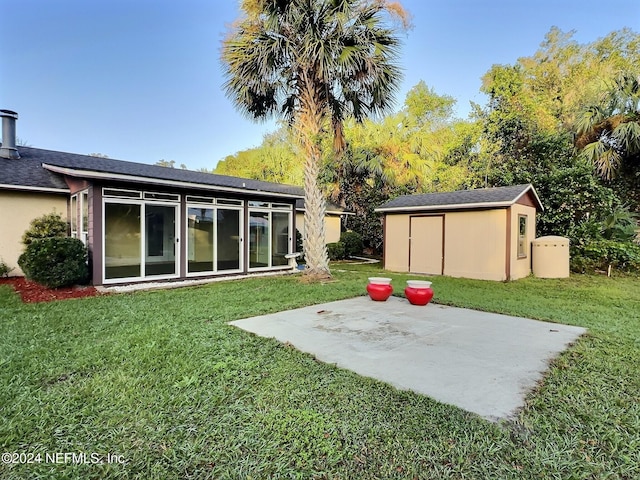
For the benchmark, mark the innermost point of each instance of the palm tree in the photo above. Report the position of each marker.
(609, 134)
(314, 63)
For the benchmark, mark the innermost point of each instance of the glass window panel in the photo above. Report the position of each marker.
(522, 236)
(160, 248)
(228, 239)
(254, 203)
(73, 216)
(286, 206)
(117, 192)
(172, 197)
(280, 238)
(200, 234)
(259, 239)
(225, 201)
(193, 198)
(85, 217)
(122, 241)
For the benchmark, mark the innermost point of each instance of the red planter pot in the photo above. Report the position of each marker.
(379, 292)
(418, 293)
(379, 288)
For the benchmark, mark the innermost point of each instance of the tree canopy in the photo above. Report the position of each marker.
(565, 119)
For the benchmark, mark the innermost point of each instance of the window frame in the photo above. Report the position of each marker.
(522, 237)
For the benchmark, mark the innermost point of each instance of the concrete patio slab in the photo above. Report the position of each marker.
(481, 362)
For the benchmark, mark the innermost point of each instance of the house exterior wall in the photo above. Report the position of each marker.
(17, 212)
(396, 242)
(332, 226)
(475, 244)
(521, 266)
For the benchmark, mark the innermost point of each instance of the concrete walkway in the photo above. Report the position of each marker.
(482, 362)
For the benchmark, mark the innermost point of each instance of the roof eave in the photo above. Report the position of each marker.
(455, 206)
(73, 172)
(29, 188)
(535, 195)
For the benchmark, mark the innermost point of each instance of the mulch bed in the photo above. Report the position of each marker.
(32, 292)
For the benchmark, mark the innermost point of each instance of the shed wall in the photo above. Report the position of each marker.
(475, 244)
(18, 210)
(396, 243)
(521, 266)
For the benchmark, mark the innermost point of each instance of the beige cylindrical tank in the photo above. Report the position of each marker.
(550, 257)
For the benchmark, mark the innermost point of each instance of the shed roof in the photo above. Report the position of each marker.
(498, 197)
(39, 169)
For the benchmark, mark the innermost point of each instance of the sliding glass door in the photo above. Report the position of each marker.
(160, 240)
(259, 240)
(270, 237)
(140, 240)
(214, 236)
(200, 237)
(122, 241)
(228, 243)
(280, 234)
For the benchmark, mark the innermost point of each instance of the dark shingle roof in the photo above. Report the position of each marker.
(28, 171)
(29, 174)
(485, 197)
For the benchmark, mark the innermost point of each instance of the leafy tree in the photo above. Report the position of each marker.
(421, 148)
(275, 160)
(170, 164)
(315, 63)
(166, 163)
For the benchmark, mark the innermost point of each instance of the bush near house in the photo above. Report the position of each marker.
(353, 244)
(4, 269)
(608, 242)
(50, 257)
(600, 254)
(336, 251)
(55, 262)
(46, 226)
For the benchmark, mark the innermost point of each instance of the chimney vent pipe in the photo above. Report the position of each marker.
(8, 148)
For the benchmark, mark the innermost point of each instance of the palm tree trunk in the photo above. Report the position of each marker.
(309, 127)
(313, 240)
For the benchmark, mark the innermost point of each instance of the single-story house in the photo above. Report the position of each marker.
(484, 234)
(333, 220)
(145, 222)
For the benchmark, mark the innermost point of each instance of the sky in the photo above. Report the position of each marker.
(141, 80)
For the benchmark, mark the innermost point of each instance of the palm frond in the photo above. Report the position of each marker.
(627, 135)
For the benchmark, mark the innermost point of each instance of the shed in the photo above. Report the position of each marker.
(484, 234)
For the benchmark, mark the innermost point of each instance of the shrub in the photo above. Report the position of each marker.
(336, 251)
(353, 244)
(55, 262)
(46, 226)
(4, 269)
(599, 254)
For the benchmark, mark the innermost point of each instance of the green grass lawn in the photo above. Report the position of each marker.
(160, 379)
